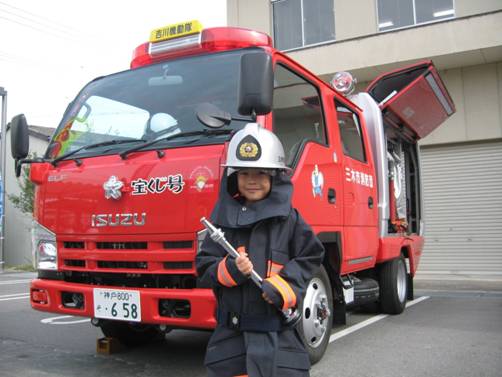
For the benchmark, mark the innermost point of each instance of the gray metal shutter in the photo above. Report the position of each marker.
(462, 193)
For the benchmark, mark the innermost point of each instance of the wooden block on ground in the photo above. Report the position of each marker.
(107, 346)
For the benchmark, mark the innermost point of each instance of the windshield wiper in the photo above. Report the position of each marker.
(96, 145)
(205, 132)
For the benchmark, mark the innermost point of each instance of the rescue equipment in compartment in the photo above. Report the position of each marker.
(397, 201)
(291, 316)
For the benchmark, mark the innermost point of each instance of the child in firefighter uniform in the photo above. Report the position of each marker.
(255, 213)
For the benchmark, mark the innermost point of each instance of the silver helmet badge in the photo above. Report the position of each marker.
(112, 188)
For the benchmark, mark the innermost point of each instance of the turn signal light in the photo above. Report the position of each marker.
(39, 296)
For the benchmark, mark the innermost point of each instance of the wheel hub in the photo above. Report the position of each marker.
(315, 313)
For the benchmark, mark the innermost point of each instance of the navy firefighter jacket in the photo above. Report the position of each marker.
(281, 246)
(250, 338)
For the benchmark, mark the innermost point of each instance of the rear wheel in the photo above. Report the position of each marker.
(393, 286)
(317, 315)
(130, 334)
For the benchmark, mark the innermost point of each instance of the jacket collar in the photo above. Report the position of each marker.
(231, 212)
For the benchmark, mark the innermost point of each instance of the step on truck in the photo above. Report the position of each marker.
(137, 159)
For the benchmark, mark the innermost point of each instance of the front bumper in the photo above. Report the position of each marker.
(202, 302)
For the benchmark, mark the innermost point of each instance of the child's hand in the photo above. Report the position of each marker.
(267, 299)
(243, 263)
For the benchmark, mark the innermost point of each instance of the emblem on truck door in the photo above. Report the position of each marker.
(112, 188)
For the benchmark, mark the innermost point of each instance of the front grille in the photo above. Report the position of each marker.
(73, 245)
(178, 244)
(125, 279)
(121, 264)
(178, 265)
(122, 245)
(74, 263)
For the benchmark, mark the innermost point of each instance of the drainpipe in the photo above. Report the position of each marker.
(3, 124)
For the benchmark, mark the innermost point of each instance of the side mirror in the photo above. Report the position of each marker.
(19, 138)
(19, 141)
(256, 84)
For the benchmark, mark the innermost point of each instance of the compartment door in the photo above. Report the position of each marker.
(413, 100)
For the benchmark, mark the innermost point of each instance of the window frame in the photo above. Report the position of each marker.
(284, 64)
(362, 130)
(415, 23)
(302, 16)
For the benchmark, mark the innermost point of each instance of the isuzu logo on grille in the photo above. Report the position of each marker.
(112, 188)
(118, 219)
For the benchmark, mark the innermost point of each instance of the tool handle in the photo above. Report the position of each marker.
(218, 236)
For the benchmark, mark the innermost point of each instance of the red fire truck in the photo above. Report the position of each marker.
(137, 160)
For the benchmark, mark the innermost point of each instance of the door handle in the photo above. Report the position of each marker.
(370, 202)
(331, 196)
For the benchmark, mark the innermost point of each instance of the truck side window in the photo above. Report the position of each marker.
(350, 132)
(297, 112)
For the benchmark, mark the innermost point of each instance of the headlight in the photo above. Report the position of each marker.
(44, 248)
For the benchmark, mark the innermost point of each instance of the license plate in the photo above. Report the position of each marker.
(117, 304)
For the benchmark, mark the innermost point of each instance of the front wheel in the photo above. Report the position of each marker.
(393, 286)
(317, 315)
(130, 334)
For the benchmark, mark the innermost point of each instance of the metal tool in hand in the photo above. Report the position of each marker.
(291, 316)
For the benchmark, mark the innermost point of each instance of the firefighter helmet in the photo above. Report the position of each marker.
(255, 147)
(161, 124)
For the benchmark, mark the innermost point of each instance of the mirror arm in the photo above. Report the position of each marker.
(19, 163)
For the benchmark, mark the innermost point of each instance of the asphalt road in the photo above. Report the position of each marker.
(445, 332)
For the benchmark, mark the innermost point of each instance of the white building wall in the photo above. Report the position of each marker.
(17, 244)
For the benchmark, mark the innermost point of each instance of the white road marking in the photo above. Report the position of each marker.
(53, 320)
(9, 282)
(15, 294)
(369, 321)
(17, 297)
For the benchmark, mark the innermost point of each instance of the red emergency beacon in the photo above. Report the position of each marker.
(190, 39)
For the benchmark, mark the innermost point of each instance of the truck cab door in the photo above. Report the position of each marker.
(299, 122)
(360, 207)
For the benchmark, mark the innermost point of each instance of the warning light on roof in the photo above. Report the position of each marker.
(189, 38)
(344, 83)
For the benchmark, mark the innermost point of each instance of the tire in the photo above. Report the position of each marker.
(317, 316)
(130, 334)
(393, 286)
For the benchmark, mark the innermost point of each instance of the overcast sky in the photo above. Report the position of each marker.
(49, 49)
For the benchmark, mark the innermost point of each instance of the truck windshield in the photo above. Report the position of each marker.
(149, 103)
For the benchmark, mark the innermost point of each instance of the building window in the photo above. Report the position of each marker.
(300, 23)
(395, 14)
(297, 112)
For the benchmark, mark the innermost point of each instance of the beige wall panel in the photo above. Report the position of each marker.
(499, 79)
(470, 7)
(355, 18)
(454, 129)
(255, 14)
(232, 13)
(454, 37)
(482, 102)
